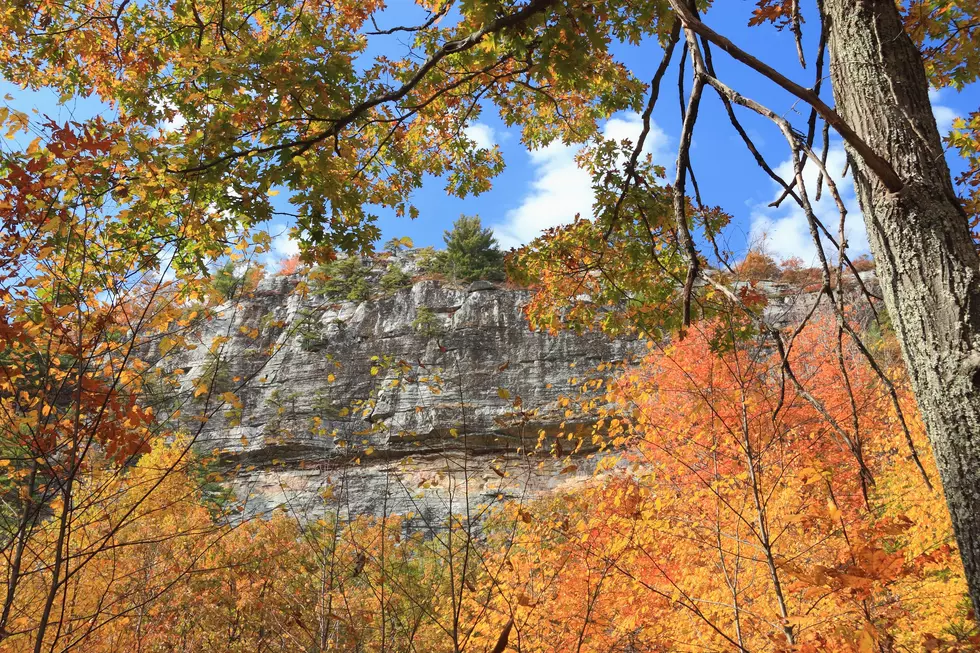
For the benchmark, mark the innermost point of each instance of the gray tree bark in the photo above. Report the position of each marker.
(920, 238)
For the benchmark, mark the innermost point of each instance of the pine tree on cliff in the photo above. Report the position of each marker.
(471, 252)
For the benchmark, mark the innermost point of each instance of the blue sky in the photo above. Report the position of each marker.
(542, 188)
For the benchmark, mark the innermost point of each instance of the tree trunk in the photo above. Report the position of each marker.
(926, 261)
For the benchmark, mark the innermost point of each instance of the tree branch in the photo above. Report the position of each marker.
(339, 124)
(872, 159)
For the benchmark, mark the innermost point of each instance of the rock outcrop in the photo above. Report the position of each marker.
(428, 399)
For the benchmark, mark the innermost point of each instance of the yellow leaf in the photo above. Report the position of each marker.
(232, 398)
(833, 510)
(51, 225)
(866, 642)
(503, 393)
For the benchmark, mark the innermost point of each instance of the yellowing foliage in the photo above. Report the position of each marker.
(734, 520)
(738, 522)
(748, 509)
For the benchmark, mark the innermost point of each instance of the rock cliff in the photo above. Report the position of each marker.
(425, 399)
(428, 398)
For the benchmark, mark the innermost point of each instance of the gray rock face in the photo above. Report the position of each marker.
(429, 400)
(787, 305)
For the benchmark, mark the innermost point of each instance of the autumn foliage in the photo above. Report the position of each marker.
(757, 266)
(739, 520)
(289, 266)
(726, 514)
(758, 488)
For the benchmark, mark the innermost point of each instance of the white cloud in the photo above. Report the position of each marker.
(784, 230)
(560, 189)
(282, 247)
(480, 134)
(163, 106)
(944, 115)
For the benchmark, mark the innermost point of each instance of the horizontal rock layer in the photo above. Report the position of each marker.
(409, 402)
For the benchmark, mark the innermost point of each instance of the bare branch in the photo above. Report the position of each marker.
(418, 28)
(872, 159)
(683, 163)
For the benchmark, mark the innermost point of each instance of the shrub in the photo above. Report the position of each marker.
(346, 278)
(757, 266)
(270, 321)
(426, 324)
(311, 336)
(225, 281)
(863, 263)
(396, 245)
(216, 378)
(394, 279)
(793, 272)
(289, 266)
(427, 259)
(215, 495)
(232, 285)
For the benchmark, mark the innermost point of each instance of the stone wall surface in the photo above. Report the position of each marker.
(406, 402)
(395, 413)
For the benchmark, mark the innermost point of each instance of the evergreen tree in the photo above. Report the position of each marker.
(471, 252)
(346, 278)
